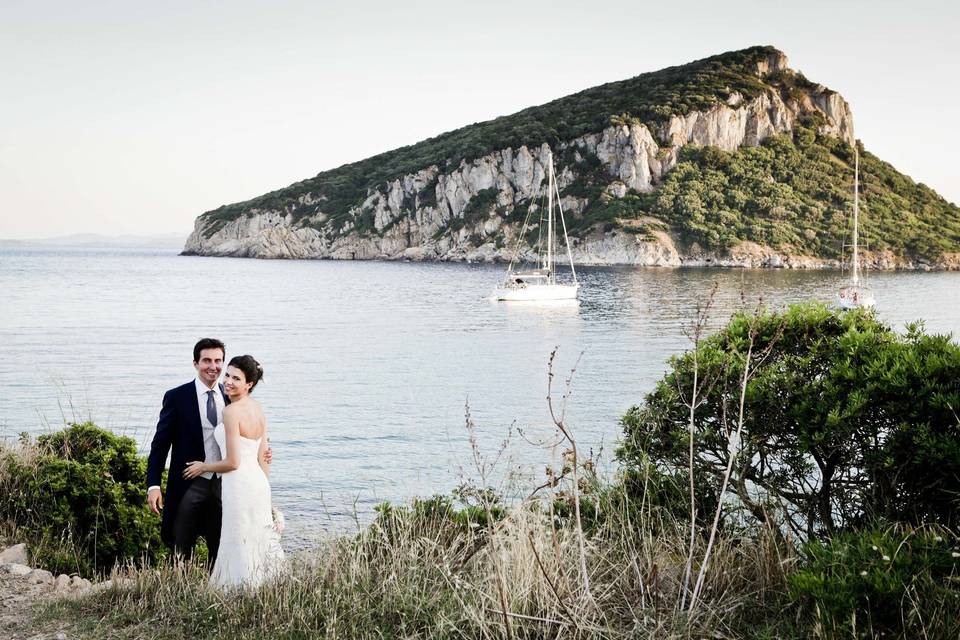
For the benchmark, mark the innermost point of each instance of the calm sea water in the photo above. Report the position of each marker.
(370, 365)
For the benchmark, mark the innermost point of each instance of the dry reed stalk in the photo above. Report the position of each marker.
(702, 316)
(559, 421)
(733, 450)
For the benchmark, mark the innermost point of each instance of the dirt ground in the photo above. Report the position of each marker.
(18, 600)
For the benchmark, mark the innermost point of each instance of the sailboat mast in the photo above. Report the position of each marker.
(550, 216)
(566, 238)
(856, 216)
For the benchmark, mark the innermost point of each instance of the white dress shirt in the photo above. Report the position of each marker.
(211, 449)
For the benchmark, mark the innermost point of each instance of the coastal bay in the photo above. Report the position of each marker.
(369, 365)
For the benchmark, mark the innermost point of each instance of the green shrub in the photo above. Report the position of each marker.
(79, 496)
(480, 206)
(880, 582)
(845, 421)
(468, 509)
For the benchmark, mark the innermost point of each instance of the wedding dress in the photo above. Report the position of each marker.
(250, 549)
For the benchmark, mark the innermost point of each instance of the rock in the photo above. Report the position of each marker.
(40, 576)
(61, 635)
(119, 583)
(62, 583)
(616, 189)
(17, 569)
(16, 554)
(80, 584)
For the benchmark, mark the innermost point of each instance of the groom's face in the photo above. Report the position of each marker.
(209, 366)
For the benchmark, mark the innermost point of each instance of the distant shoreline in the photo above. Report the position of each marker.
(768, 263)
(99, 241)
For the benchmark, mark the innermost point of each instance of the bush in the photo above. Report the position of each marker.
(845, 421)
(880, 581)
(78, 495)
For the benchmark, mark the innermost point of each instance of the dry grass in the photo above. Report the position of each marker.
(416, 575)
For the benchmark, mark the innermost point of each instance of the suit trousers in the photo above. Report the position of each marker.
(200, 514)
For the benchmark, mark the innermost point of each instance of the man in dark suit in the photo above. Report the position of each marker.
(189, 415)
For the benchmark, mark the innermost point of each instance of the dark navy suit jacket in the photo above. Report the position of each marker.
(180, 433)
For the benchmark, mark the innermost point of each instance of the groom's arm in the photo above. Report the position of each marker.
(159, 449)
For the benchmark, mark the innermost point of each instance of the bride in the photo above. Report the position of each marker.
(250, 549)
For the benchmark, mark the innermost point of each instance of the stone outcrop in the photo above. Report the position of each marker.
(17, 554)
(14, 562)
(431, 214)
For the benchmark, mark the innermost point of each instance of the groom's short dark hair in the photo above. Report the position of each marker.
(207, 343)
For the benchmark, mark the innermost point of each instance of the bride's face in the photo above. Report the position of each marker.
(235, 382)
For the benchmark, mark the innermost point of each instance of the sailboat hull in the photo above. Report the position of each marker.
(855, 297)
(537, 292)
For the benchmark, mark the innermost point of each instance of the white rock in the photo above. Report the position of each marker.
(17, 569)
(80, 584)
(101, 586)
(616, 189)
(15, 554)
(119, 583)
(62, 583)
(40, 576)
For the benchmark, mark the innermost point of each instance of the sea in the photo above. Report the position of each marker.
(384, 381)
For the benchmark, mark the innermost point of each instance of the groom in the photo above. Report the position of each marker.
(189, 415)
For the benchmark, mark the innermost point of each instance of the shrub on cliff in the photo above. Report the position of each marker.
(845, 421)
(78, 495)
(795, 193)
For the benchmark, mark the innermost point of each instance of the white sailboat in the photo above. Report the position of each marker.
(541, 284)
(856, 295)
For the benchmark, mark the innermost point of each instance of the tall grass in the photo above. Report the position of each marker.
(419, 574)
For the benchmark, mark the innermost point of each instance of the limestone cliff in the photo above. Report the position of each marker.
(473, 208)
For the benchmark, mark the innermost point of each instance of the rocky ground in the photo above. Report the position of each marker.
(18, 604)
(23, 591)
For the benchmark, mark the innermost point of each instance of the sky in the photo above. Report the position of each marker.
(134, 118)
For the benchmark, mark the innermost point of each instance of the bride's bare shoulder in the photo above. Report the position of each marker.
(242, 409)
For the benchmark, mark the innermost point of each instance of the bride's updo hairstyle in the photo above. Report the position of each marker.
(252, 370)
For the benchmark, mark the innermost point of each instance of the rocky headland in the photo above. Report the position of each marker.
(474, 206)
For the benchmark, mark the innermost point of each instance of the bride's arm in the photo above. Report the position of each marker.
(261, 454)
(231, 426)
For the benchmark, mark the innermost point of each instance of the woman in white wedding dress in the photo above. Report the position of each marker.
(250, 549)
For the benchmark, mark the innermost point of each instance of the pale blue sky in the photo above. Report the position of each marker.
(126, 117)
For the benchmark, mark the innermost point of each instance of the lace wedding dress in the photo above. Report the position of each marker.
(250, 549)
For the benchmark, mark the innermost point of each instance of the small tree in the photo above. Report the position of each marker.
(844, 420)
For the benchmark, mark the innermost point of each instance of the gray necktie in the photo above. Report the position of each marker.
(211, 409)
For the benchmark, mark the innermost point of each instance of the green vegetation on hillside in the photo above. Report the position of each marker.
(793, 193)
(650, 97)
